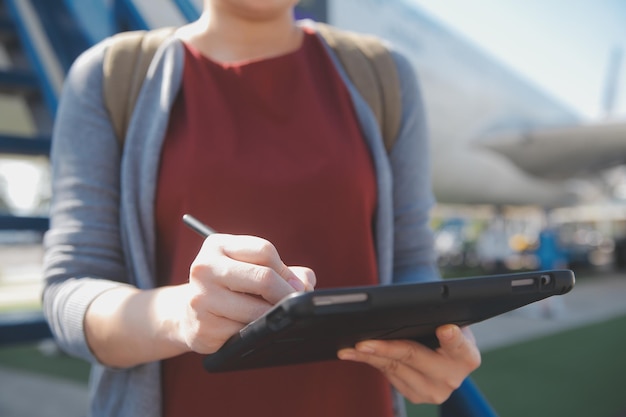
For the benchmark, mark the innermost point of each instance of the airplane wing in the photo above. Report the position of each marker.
(563, 152)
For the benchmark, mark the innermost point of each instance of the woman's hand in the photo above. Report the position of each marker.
(232, 281)
(421, 374)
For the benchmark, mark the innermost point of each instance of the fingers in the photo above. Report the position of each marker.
(421, 374)
(233, 281)
(306, 276)
(216, 300)
(195, 324)
(407, 367)
(245, 264)
(207, 334)
(459, 345)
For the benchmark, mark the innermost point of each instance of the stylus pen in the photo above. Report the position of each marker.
(197, 226)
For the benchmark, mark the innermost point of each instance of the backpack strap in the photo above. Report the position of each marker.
(371, 68)
(367, 62)
(125, 66)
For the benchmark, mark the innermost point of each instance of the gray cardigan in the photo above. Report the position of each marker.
(102, 218)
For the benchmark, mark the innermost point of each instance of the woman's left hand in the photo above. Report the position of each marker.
(421, 374)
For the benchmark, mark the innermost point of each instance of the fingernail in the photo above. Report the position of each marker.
(296, 284)
(347, 355)
(447, 332)
(365, 348)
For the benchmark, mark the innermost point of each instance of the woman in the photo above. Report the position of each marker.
(246, 121)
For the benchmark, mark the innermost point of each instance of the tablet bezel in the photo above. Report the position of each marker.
(312, 326)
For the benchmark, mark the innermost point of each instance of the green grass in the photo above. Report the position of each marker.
(27, 306)
(576, 373)
(580, 372)
(31, 359)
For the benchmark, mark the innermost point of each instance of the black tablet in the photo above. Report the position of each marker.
(313, 326)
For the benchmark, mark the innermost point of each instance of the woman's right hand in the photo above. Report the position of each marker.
(233, 280)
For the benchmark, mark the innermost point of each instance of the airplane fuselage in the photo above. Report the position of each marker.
(468, 95)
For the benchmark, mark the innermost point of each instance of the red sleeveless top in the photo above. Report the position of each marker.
(270, 148)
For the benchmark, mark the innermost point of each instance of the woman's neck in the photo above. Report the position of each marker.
(229, 38)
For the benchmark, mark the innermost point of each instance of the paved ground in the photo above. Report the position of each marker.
(592, 300)
(29, 395)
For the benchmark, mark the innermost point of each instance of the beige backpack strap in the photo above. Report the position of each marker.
(125, 66)
(371, 68)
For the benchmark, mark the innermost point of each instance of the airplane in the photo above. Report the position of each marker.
(496, 138)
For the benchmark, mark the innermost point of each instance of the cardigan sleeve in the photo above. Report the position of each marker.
(83, 251)
(414, 253)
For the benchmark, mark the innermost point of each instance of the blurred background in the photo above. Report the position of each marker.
(526, 106)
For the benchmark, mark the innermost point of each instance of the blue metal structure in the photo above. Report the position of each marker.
(189, 8)
(128, 16)
(467, 401)
(50, 34)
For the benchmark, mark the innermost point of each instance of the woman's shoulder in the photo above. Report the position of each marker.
(334, 35)
(92, 60)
